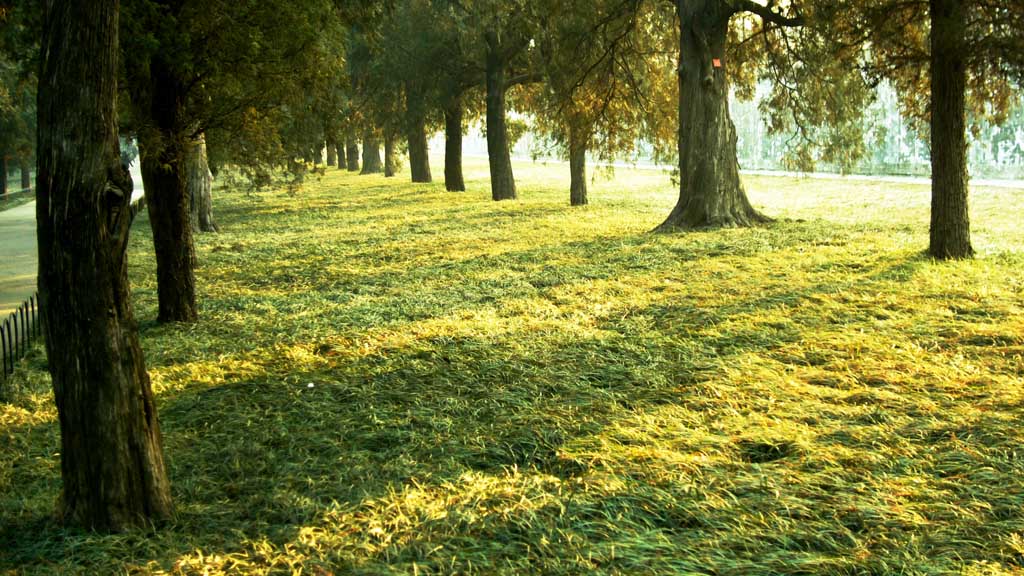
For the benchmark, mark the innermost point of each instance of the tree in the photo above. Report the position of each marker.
(504, 42)
(111, 453)
(604, 106)
(496, 38)
(950, 231)
(967, 55)
(188, 74)
(371, 154)
(710, 192)
(728, 45)
(200, 186)
(351, 152)
(18, 45)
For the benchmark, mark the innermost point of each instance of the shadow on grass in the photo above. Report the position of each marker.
(257, 459)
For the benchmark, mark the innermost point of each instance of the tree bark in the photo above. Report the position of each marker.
(503, 185)
(950, 234)
(340, 152)
(111, 452)
(390, 161)
(200, 186)
(371, 155)
(453, 179)
(710, 193)
(419, 154)
(3, 180)
(25, 168)
(332, 152)
(352, 153)
(317, 155)
(162, 152)
(577, 167)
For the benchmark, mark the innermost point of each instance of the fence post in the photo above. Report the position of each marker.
(7, 347)
(24, 331)
(3, 344)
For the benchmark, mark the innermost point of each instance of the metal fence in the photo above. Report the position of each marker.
(18, 331)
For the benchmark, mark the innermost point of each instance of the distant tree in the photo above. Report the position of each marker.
(496, 38)
(351, 151)
(111, 455)
(371, 153)
(200, 186)
(604, 106)
(18, 71)
(442, 62)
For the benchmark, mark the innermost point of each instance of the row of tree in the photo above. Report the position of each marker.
(269, 84)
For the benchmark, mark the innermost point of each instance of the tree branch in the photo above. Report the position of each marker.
(766, 13)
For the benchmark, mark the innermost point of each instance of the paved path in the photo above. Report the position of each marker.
(19, 261)
(18, 265)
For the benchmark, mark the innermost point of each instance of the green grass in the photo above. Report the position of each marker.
(521, 387)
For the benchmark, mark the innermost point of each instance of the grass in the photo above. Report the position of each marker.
(393, 379)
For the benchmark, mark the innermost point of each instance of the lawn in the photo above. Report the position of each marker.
(388, 378)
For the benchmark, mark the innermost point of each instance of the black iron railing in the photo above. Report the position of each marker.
(18, 331)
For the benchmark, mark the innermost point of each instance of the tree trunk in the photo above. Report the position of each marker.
(339, 149)
(167, 197)
(710, 193)
(419, 154)
(332, 152)
(352, 153)
(503, 185)
(371, 155)
(25, 168)
(950, 235)
(390, 161)
(3, 168)
(111, 450)
(453, 179)
(200, 186)
(317, 155)
(577, 167)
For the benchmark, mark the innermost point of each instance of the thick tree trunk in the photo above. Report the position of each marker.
(371, 155)
(200, 186)
(3, 180)
(167, 198)
(577, 167)
(111, 451)
(339, 150)
(317, 155)
(503, 185)
(352, 153)
(710, 193)
(332, 152)
(453, 179)
(25, 168)
(390, 156)
(950, 235)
